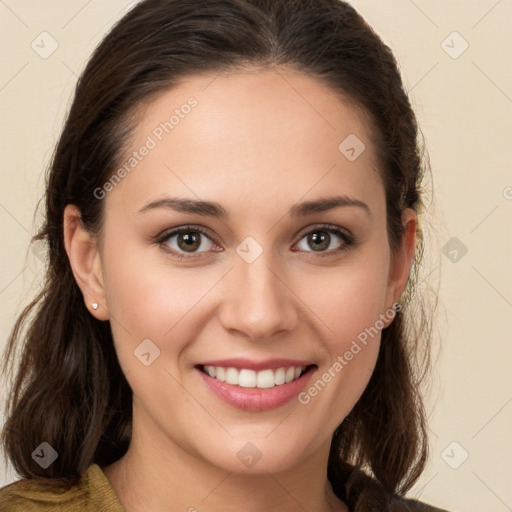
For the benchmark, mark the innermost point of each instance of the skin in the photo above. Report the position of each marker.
(258, 142)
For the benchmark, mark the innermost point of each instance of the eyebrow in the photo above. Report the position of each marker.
(213, 209)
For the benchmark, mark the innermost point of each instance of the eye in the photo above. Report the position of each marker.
(187, 240)
(325, 239)
(322, 240)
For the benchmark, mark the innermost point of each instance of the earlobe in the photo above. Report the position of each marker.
(84, 257)
(402, 259)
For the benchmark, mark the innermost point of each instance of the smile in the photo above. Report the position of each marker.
(255, 386)
(246, 378)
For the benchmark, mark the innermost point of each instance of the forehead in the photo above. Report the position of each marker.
(269, 133)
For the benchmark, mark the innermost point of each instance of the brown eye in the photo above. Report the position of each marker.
(325, 240)
(188, 240)
(319, 241)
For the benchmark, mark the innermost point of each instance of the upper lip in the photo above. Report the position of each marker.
(267, 364)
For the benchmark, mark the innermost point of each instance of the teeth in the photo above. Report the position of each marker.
(280, 377)
(263, 379)
(232, 376)
(246, 379)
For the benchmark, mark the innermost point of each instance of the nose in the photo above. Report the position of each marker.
(258, 304)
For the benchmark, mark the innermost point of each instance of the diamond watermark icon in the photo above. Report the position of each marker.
(352, 147)
(249, 250)
(249, 455)
(45, 45)
(44, 455)
(147, 352)
(454, 45)
(454, 250)
(39, 250)
(454, 455)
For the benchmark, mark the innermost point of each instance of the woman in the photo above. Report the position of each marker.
(232, 221)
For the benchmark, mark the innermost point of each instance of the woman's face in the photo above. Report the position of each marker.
(282, 266)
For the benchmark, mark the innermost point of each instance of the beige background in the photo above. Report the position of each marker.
(464, 104)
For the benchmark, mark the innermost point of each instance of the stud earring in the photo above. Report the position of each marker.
(94, 306)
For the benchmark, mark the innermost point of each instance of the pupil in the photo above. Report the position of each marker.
(188, 241)
(322, 240)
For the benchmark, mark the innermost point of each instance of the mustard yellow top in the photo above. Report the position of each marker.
(92, 494)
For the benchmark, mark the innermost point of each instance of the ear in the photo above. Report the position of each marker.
(84, 257)
(401, 259)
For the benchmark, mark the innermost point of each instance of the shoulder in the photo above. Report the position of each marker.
(365, 494)
(92, 493)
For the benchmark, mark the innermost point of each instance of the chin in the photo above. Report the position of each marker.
(259, 456)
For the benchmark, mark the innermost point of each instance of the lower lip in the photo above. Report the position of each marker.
(256, 399)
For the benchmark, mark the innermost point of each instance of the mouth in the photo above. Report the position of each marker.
(255, 387)
(263, 379)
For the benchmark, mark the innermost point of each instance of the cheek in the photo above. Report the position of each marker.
(148, 299)
(347, 299)
(349, 305)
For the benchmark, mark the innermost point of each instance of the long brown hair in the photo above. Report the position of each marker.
(69, 389)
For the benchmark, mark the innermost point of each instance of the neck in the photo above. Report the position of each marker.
(148, 477)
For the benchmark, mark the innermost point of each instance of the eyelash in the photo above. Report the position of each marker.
(348, 240)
